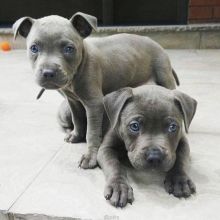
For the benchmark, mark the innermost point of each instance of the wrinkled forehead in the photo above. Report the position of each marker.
(151, 108)
(52, 28)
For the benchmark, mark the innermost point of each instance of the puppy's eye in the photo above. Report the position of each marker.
(68, 49)
(34, 48)
(172, 127)
(134, 126)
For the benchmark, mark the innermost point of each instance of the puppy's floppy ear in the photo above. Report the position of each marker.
(114, 103)
(22, 26)
(187, 106)
(84, 23)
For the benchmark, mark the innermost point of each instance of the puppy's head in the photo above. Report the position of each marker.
(149, 120)
(55, 46)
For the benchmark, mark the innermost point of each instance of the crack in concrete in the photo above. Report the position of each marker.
(36, 176)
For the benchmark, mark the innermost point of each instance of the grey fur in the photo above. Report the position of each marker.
(95, 67)
(155, 145)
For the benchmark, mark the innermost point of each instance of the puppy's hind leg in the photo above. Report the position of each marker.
(72, 119)
(164, 74)
(64, 117)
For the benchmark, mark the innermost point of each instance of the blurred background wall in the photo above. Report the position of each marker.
(108, 12)
(116, 12)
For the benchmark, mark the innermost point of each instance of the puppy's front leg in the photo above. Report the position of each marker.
(117, 189)
(177, 181)
(94, 113)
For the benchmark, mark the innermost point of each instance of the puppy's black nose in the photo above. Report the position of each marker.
(154, 156)
(48, 73)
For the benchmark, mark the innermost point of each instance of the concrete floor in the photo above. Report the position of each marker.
(39, 177)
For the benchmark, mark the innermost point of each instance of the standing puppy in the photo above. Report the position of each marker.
(146, 123)
(84, 70)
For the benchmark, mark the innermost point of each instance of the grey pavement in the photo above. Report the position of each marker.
(39, 176)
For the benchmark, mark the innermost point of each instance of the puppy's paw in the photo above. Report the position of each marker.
(118, 193)
(179, 185)
(74, 138)
(88, 161)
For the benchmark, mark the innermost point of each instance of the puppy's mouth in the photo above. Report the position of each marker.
(53, 84)
(165, 166)
(146, 167)
(50, 86)
(52, 79)
(140, 163)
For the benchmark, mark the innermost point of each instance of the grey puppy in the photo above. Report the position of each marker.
(84, 70)
(146, 124)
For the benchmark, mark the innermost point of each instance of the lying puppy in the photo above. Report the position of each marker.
(147, 123)
(84, 70)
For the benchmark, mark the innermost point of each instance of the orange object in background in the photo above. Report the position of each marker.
(5, 46)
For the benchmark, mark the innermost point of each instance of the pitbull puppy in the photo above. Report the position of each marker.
(84, 70)
(146, 122)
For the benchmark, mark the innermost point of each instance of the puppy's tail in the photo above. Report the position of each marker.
(175, 77)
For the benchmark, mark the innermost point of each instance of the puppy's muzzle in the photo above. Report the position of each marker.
(155, 156)
(48, 73)
(51, 78)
